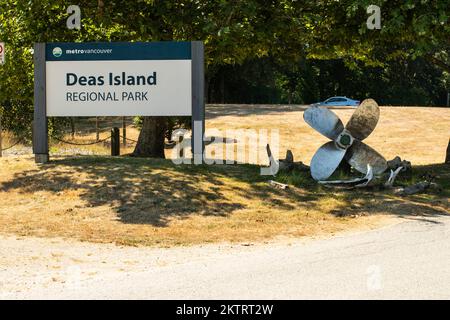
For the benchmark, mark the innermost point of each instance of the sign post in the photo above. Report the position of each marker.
(1, 129)
(198, 101)
(2, 61)
(40, 125)
(118, 79)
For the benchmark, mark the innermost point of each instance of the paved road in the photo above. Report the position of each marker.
(410, 259)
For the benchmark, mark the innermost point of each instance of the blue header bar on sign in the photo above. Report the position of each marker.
(92, 51)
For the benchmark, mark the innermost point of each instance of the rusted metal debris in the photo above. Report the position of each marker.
(398, 162)
(286, 164)
(278, 185)
(396, 167)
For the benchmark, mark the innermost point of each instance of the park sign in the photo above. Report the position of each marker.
(117, 79)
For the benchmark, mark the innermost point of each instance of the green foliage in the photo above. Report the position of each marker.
(409, 29)
(399, 82)
(280, 38)
(232, 32)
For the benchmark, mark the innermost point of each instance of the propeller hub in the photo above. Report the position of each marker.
(344, 140)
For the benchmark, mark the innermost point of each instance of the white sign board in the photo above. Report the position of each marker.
(2, 52)
(118, 79)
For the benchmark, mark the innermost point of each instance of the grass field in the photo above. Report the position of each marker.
(154, 202)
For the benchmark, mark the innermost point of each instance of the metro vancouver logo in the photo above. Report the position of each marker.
(57, 52)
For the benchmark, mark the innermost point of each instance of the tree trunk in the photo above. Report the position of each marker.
(447, 156)
(222, 87)
(72, 128)
(437, 62)
(97, 129)
(207, 88)
(124, 131)
(100, 7)
(151, 138)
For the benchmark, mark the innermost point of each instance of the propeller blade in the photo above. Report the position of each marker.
(326, 160)
(364, 119)
(359, 155)
(323, 121)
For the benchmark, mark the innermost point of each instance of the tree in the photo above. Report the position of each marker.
(151, 138)
(233, 32)
(281, 33)
(409, 29)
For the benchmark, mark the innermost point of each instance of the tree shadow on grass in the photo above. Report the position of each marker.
(421, 206)
(153, 191)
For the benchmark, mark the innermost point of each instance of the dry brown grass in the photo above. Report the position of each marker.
(139, 201)
(153, 202)
(417, 134)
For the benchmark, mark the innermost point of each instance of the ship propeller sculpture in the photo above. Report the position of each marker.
(347, 141)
